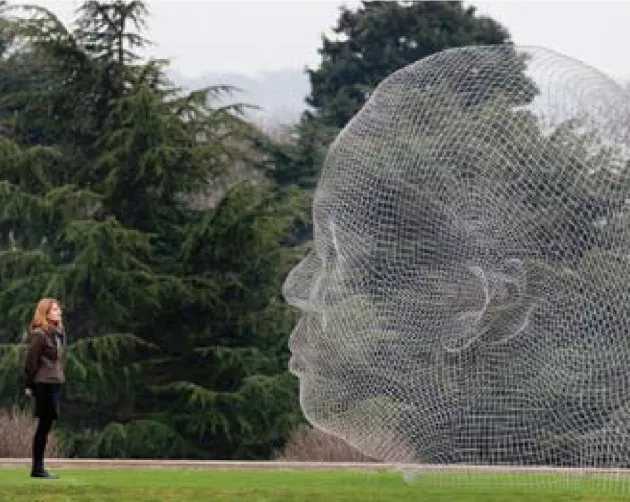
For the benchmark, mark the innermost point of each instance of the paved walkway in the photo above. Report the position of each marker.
(190, 464)
(300, 466)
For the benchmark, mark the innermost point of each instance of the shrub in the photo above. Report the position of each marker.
(308, 444)
(17, 427)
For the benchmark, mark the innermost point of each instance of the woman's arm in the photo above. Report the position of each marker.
(33, 353)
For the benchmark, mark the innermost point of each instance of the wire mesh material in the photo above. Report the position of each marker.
(467, 297)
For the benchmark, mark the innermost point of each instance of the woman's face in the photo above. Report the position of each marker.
(54, 314)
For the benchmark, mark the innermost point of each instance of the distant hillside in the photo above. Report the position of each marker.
(280, 94)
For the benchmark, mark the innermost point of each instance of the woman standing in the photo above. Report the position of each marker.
(44, 375)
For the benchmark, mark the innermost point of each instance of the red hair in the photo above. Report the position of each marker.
(40, 318)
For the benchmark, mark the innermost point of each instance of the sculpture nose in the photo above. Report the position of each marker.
(299, 288)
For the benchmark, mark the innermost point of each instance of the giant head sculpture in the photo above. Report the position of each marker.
(467, 295)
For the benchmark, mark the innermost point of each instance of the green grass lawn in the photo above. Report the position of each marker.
(275, 486)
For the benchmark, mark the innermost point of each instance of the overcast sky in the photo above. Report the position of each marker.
(250, 37)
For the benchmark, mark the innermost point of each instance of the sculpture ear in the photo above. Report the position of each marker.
(508, 314)
(506, 319)
(503, 314)
(462, 330)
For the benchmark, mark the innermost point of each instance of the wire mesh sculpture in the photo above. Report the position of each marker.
(467, 296)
